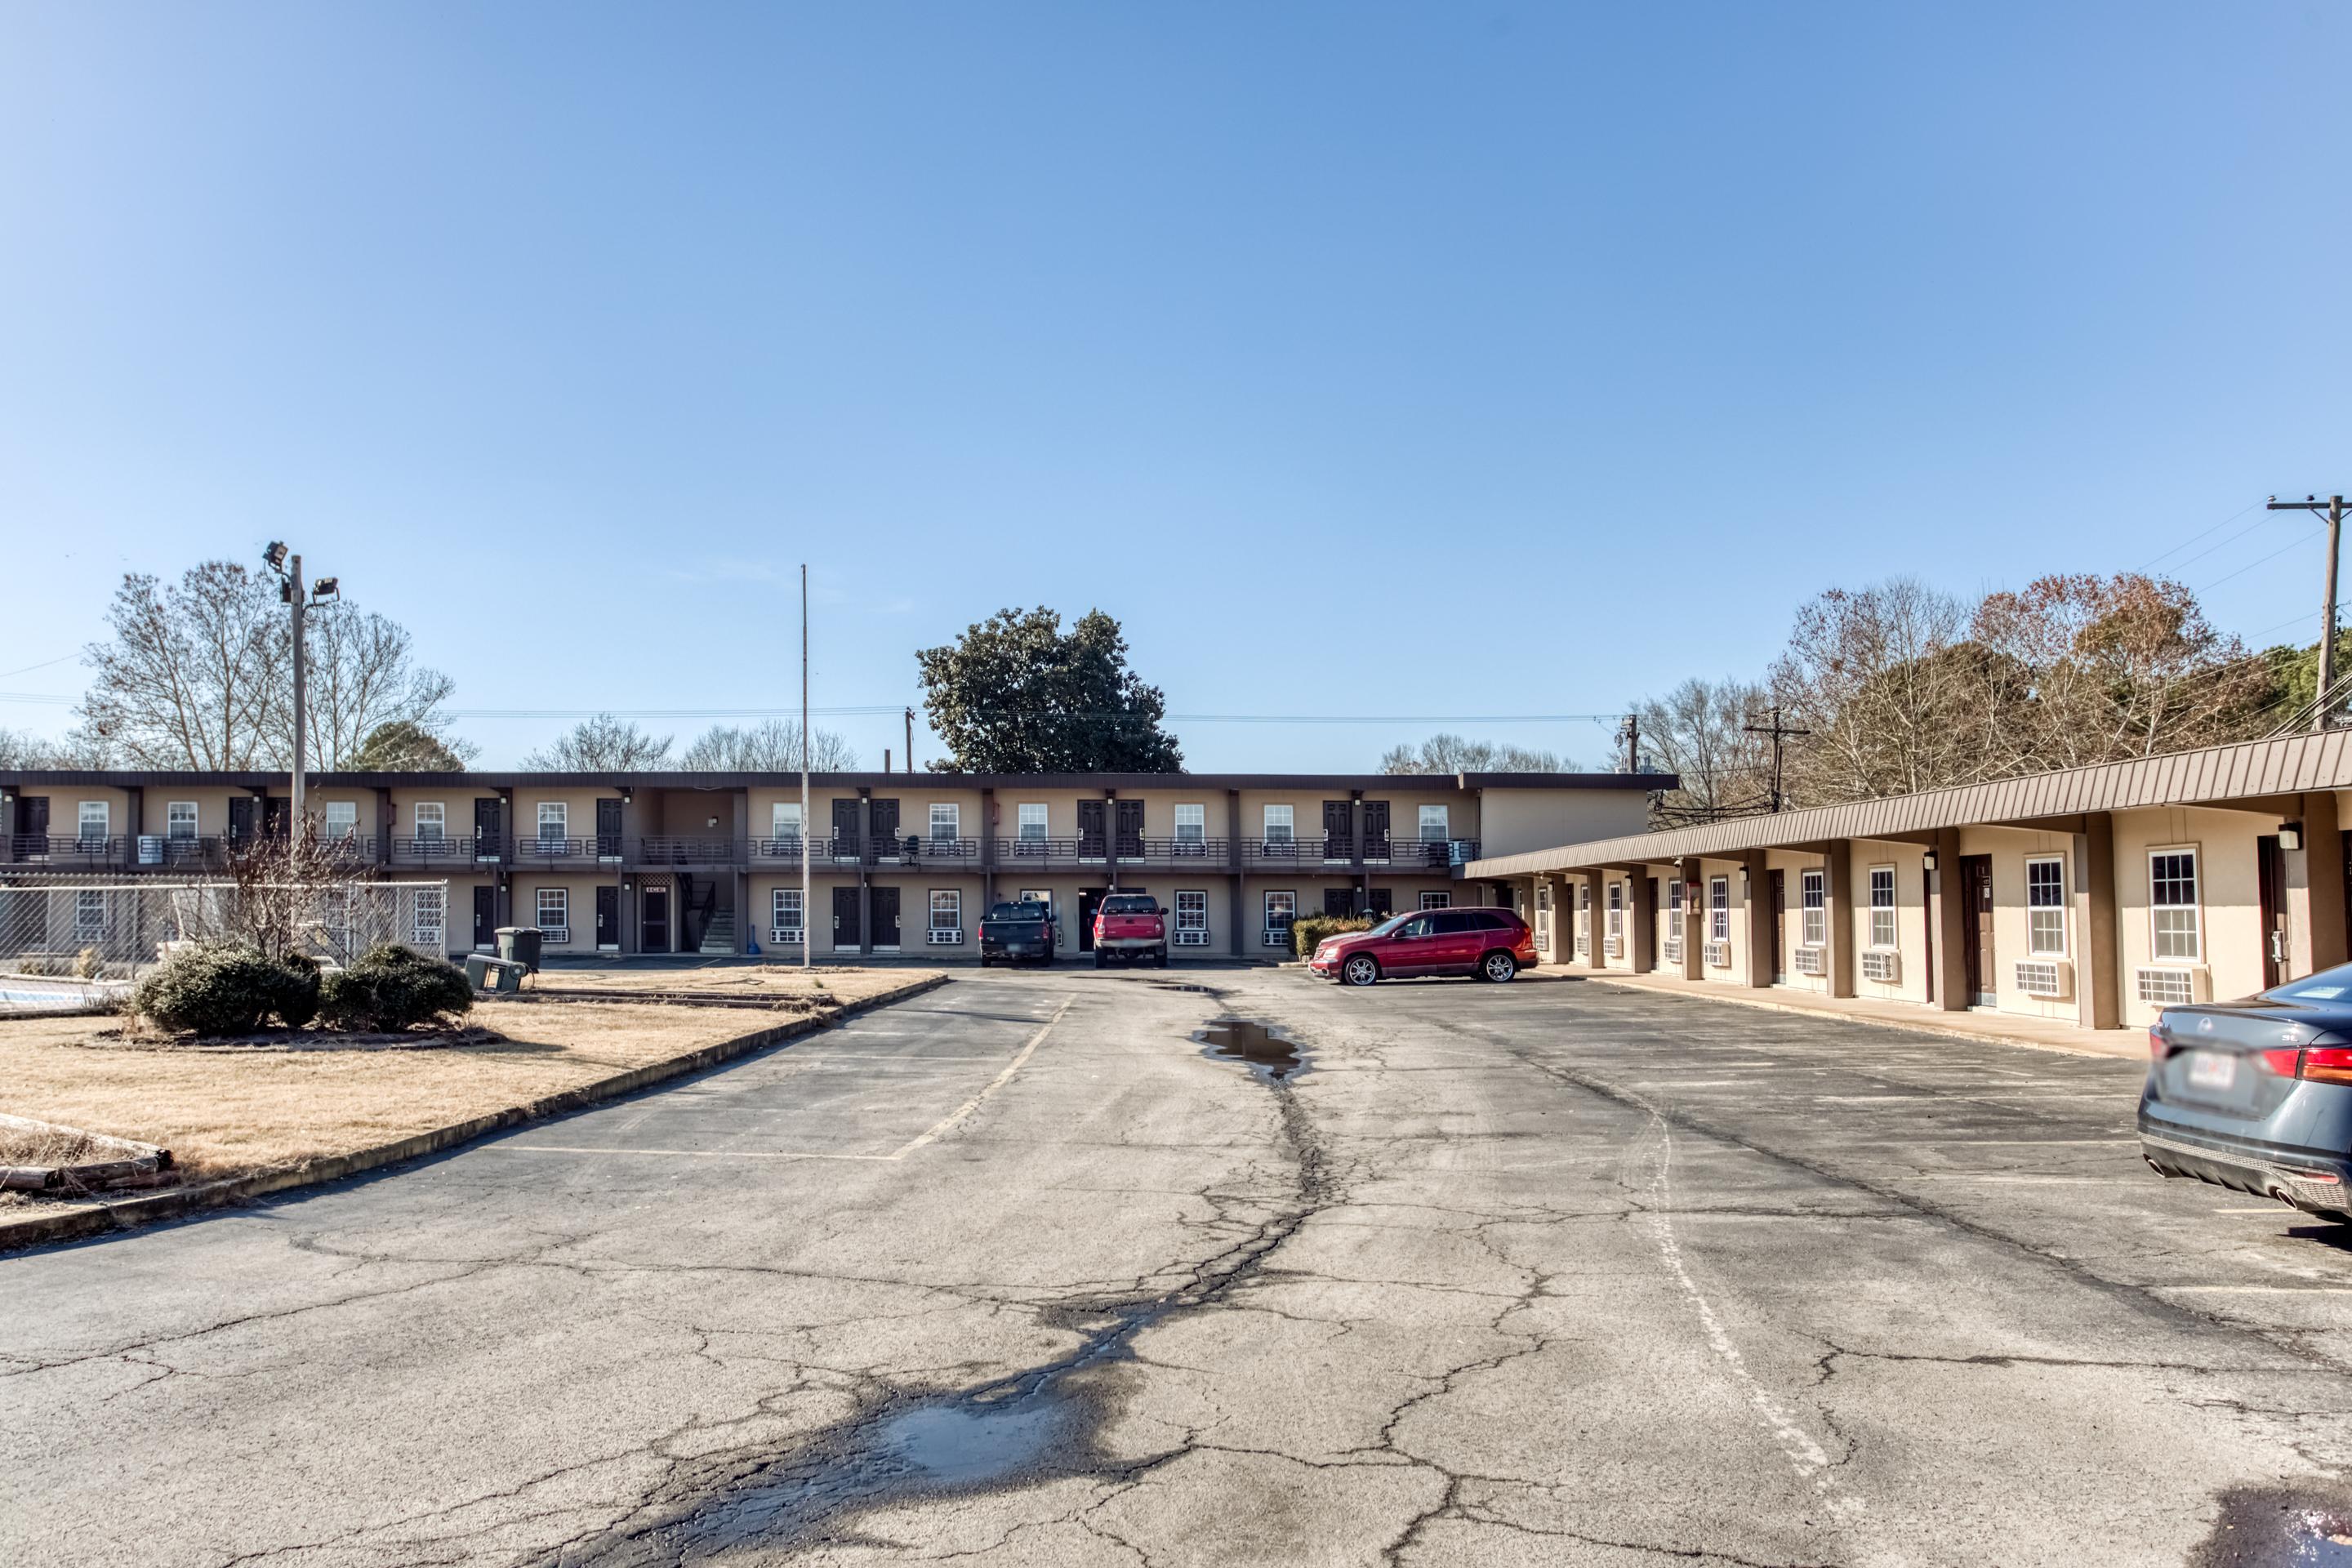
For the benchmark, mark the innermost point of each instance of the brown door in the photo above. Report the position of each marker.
(1091, 838)
(2270, 862)
(1976, 927)
(1129, 820)
(1338, 830)
(1376, 830)
(1779, 926)
(1657, 908)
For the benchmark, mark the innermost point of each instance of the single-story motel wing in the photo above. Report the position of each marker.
(2094, 895)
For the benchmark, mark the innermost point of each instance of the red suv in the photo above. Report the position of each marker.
(1494, 944)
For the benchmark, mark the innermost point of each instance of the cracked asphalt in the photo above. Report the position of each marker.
(1548, 1273)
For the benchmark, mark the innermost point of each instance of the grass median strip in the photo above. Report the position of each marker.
(241, 1114)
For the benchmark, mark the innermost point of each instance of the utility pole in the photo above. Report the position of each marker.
(911, 740)
(1779, 731)
(808, 920)
(291, 590)
(1631, 729)
(2333, 507)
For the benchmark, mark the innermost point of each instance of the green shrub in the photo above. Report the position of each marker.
(1308, 929)
(211, 988)
(390, 987)
(296, 1002)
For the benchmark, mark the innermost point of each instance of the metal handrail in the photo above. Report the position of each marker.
(691, 851)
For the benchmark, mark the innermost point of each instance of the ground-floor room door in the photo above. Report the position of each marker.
(652, 924)
(886, 919)
(1779, 926)
(486, 919)
(608, 917)
(848, 929)
(1657, 916)
(2270, 885)
(1087, 899)
(1976, 928)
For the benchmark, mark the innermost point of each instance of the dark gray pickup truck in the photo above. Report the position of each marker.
(1017, 933)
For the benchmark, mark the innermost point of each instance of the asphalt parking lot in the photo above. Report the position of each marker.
(1020, 1271)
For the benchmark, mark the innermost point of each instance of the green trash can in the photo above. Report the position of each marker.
(519, 944)
(484, 972)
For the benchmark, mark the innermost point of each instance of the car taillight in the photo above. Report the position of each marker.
(2156, 1046)
(2323, 1064)
(2282, 1061)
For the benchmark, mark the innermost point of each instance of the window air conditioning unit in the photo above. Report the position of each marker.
(1614, 947)
(1583, 944)
(1883, 967)
(555, 936)
(1718, 955)
(944, 936)
(1811, 961)
(785, 936)
(1192, 939)
(1671, 950)
(2050, 977)
(2173, 984)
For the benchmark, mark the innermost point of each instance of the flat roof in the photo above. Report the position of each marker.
(2252, 770)
(132, 778)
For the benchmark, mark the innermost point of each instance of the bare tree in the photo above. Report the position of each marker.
(603, 742)
(770, 747)
(1700, 730)
(77, 749)
(191, 676)
(1872, 673)
(2119, 666)
(361, 676)
(1449, 753)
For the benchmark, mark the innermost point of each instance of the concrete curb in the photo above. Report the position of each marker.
(35, 1230)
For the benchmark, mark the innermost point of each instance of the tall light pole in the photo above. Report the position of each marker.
(808, 915)
(290, 589)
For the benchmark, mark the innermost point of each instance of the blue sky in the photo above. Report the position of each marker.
(1360, 359)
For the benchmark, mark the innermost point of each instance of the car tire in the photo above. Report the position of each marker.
(1498, 966)
(1360, 969)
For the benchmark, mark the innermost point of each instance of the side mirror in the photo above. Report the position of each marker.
(1158, 910)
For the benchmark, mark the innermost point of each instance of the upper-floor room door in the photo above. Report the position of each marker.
(845, 830)
(489, 824)
(608, 829)
(1091, 845)
(33, 816)
(886, 830)
(1129, 822)
(1376, 830)
(1339, 829)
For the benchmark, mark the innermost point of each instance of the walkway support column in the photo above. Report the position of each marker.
(1757, 900)
(1692, 872)
(2098, 981)
(1641, 922)
(742, 875)
(1234, 869)
(2314, 891)
(866, 856)
(1596, 919)
(1947, 972)
(1838, 919)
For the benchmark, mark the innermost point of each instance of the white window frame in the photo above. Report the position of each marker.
(784, 821)
(1719, 909)
(180, 814)
(539, 905)
(953, 908)
(784, 901)
(555, 814)
(1288, 898)
(1883, 933)
(1436, 900)
(1439, 817)
(93, 811)
(341, 818)
(1674, 898)
(1616, 912)
(89, 913)
(1192, 909)
(2041, 916)
(438, 821)
(1282, 818)
(2158, 936)
(432, 935)
(1192, 822)
(1813, 907)
(947, 814)
(1031, 814)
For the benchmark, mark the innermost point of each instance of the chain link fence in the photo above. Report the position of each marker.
(68, 941)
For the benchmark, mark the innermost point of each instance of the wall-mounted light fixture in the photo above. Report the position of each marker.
(1928, 862)
(2290, 835)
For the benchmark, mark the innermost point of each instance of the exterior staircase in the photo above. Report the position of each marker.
(718, 935)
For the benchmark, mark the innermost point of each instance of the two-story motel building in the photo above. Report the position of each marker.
(2089, 895)
(678, 862)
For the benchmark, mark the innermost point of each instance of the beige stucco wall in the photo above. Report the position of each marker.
(1910, 920)
(2228, 896)
(1517, 821)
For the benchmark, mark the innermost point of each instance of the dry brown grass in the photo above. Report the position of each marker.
(227, 1112)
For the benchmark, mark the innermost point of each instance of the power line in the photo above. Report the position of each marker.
(2215, 529)
(2272, 556)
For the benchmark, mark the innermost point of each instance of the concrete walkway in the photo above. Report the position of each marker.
(1976, 1024)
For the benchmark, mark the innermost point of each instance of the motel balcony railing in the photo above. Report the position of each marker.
(670, 851)
(467, 851)
(551, 851)
(53, 850)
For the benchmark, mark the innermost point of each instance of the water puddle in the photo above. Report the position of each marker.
(964, 1444)
(1271, 1055)
(2278, 1530)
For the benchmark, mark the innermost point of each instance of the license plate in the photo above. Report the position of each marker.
(2212, 1069)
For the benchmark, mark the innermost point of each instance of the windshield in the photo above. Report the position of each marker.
(2328, 986)
(1389, 926)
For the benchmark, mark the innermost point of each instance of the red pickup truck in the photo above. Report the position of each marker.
(1130, 926)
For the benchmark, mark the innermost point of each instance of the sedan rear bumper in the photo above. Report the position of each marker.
(2317, 1183)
